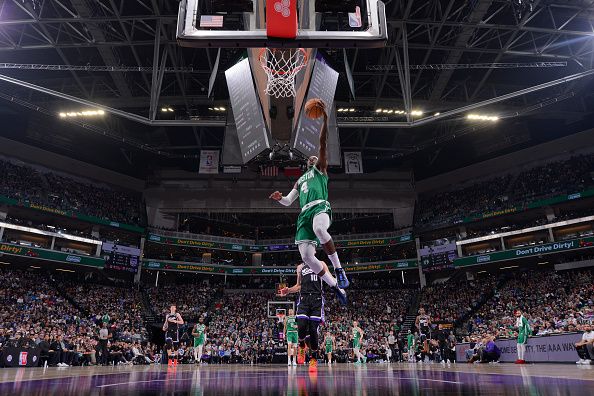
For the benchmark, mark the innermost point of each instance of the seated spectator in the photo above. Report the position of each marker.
(491, 353)
(584, 348)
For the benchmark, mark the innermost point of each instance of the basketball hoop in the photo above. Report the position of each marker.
(281, 67)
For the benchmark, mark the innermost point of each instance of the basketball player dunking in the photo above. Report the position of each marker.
(171, 328)
(310, 311)
(315, 217)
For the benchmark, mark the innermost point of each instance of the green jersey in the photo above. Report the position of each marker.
(199, 328)
(313, 186)
(328, 342)
(356, 338)
(410, 340)
(523, 329)
(291, 324)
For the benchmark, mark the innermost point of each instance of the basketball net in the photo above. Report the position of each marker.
(281, 66)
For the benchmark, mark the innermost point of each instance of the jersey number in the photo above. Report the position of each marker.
(314, 278)
(304, 188)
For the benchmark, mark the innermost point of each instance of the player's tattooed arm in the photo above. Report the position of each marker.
(295, 288)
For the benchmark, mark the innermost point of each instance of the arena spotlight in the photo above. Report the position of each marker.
(416, 113)
(436, 114)
(482, 117)
(84, 113)
(166, 110)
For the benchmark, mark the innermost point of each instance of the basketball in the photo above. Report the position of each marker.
(315, 108)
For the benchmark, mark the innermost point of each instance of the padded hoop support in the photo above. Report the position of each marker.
(281, 19)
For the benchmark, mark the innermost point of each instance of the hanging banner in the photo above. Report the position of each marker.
(209, 161)
(353, 162)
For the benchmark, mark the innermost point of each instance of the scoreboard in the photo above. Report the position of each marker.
(121, 258)
(438, 257)
(306, 139)
(247, 112)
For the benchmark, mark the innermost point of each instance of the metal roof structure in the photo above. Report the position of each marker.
(527, 61)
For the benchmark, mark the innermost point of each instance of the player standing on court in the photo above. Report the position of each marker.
(410, 343)
(316, 215)
(171, 328)
(290, 327)
(310, 311)
(357, 336)
(329, 341)
(199, 334)
(423, 322)
(523, 333)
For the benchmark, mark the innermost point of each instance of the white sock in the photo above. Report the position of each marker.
(334, 259)
(329, 279)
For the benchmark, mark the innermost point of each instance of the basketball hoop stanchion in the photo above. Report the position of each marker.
(281, 66)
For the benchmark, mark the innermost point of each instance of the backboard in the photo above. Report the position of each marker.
(282, 24)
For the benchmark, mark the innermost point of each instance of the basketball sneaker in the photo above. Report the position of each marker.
(341, 295)
(313, 364)
(300, 355)
(341, 278)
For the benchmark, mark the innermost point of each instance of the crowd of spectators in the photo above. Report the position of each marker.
(553, 302)
(30, 185)
(379, 312)
(568, 176)
(240, 328)
(262, 226)
(191, 300)
(39, 315)
(117, 305)
(454, 300)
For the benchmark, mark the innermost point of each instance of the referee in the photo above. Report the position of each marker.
(103, 338)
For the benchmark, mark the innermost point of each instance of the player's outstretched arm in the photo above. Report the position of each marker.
(295, 288)
(285, 200)
(322, 163)
(179, 320)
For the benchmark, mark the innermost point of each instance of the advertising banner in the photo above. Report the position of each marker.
(271, 248)
(231, 270)
(71, 214)
(553, 349)
(44, 254)
(20, 357)
(535, 250)
(529, 205)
